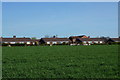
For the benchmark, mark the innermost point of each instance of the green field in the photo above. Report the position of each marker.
(95, 61)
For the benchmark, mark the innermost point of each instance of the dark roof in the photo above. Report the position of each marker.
(55, 39)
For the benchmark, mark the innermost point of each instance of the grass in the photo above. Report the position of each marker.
(95, 61)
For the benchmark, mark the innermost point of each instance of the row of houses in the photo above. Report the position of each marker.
(72, 40)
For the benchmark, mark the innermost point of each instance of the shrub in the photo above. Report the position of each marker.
(115, 43)
(18, 44)
(5, 44)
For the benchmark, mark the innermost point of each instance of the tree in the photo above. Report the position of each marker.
(55, 36)
(33, 38)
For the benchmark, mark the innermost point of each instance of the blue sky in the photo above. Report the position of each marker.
(37, 19)
(0, 18)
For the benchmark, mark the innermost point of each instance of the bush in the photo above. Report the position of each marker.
(5, 44)
(115, 43)
(18, 44)
(98, 44)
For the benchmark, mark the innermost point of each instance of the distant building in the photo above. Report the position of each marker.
(75, 38)
(112, 40)
(116, 39)
(91, 41)
(53, 41)
(14, 40)
(72, 40)
(84, 40)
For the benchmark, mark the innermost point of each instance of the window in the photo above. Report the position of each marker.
(48, 42)
(12, 42)
(95, 41)
(101, 42)
(84, 41)
(33, 43)
(61, 42)
(5, 42)
(21, 42)
(28, 42)
(54, 42)
(89, 41)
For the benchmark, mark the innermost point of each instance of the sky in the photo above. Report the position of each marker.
(60, 0)
(0, 18)
(37, 19)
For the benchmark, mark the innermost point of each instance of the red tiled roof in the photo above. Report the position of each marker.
(82, 36)
(91, 39)
(35, 40)
(55, 39)
(116, 39)
(15, 39)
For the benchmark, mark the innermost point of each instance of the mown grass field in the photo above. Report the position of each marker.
(95, 61)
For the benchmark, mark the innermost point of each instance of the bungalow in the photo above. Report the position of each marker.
(53, 41)
(111, 40)
(74, 38)
(89, 41)
(20, 41)
(116, 39)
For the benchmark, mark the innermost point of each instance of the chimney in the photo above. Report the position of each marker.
(14, 36)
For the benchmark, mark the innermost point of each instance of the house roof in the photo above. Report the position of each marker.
(16, 39)
(34, 40)
(78, 36)
(91, 39)
(116, 39)
(55, 39)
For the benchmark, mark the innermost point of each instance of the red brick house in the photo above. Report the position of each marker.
(112, 40)
(116, 39)
(90, 41)
(74, 38)
(14, 40)
(51, 41)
